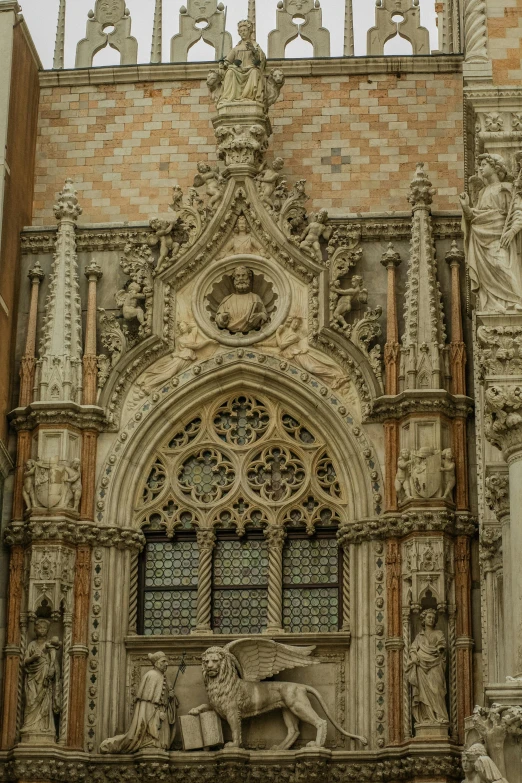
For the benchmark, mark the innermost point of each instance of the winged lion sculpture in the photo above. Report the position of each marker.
(233, 675)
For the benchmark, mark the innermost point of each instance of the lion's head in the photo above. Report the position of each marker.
(221, 675)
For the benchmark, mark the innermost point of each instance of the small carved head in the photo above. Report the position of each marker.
(212, 661)
(278, 76)
(134, 288)
(322, 215)
(184, 327)
(159, 660)
(294, 323)
(447, 454)
(357, 281)
(245, 29)
(495, 162)
(29, 465)
(278, 164)
(243, 279)
(41, 627)
(429, 618)
(405, 454)
(203, 167)
(213, 80)
(471, 755)
(241, 225)
(75, 463)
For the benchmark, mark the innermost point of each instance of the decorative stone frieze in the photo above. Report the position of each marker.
(411, 522)
(41, 529)
(500, 350)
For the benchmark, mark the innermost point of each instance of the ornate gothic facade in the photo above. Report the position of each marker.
(261, 435)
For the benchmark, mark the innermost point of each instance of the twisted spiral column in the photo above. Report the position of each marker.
(67, 641)
(476, 30)
(276, 539)
(206, 543)
(133, 594)
(346, 586)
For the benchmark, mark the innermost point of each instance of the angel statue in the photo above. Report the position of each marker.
(232, 675)
(314, 232)
(491, 232)
(478, 766)
(129, 300)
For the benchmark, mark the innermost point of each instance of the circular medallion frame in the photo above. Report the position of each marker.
(214, 274)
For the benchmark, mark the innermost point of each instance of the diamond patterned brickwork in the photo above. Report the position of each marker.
(125, 145)
(505, 40)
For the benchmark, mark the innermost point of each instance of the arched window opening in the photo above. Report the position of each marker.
(201, 52)
(240, 507)
(106, 57)
(299, 47)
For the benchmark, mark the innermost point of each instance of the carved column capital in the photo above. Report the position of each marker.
(36, 274)
(93, 272)
(206, 538)
(391, 258)
(275, 536)
(454, 257)
(503, 419)
(497, 495)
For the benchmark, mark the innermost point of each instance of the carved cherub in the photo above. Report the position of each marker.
(128, 299)
(448, 474)
(269, 179)
(213, 180)
(314, 232)
(163, 236)
(28, 486)
(73, 485)
(402, 477)
(357, 293)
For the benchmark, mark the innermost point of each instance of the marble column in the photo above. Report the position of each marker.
(28, 363)
(93, 273)
(206, 544)
(276, 540)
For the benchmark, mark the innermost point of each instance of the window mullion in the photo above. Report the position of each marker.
(276, 539)
(206, 543)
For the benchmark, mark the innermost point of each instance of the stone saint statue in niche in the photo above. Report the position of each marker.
(242, 311)
(244, 66)
(43, 685)
(426, 673)
(153, 724)
(491, 230)
(478, 766)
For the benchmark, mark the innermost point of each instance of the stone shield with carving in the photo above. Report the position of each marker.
(425, 473)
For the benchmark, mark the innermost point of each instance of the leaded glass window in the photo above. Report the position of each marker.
(311, 568)
(240, 593)
(169, 581)
(225, 475)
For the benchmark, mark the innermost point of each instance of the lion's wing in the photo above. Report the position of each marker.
(260, 658)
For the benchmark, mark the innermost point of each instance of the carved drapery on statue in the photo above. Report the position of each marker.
(42, 686)
(154, 721)
(426, 672)
(491, 227)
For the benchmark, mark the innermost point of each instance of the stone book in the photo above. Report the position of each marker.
(201, 731)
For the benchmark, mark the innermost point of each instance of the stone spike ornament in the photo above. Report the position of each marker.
(349, 43)
(59, 48)
(424, 340)
(156, 54)
(60, 362)
(252, 14)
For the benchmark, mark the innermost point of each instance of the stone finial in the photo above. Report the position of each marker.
(455, 255)
(349, 48)
(424, 340)
(157, 31)
(67, 206)
(421, 189)
(117, 15)
(214, 34)
(59, 47)
(409, 26)
(311, 29)
(36, 273)
(93, 271)
(390, 257)
(252, 14)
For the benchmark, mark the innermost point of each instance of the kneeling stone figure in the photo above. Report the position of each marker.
(232, 677)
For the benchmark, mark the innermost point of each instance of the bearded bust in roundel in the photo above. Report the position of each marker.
(232, 677)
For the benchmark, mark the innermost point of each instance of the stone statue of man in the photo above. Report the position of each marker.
(242, 311)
